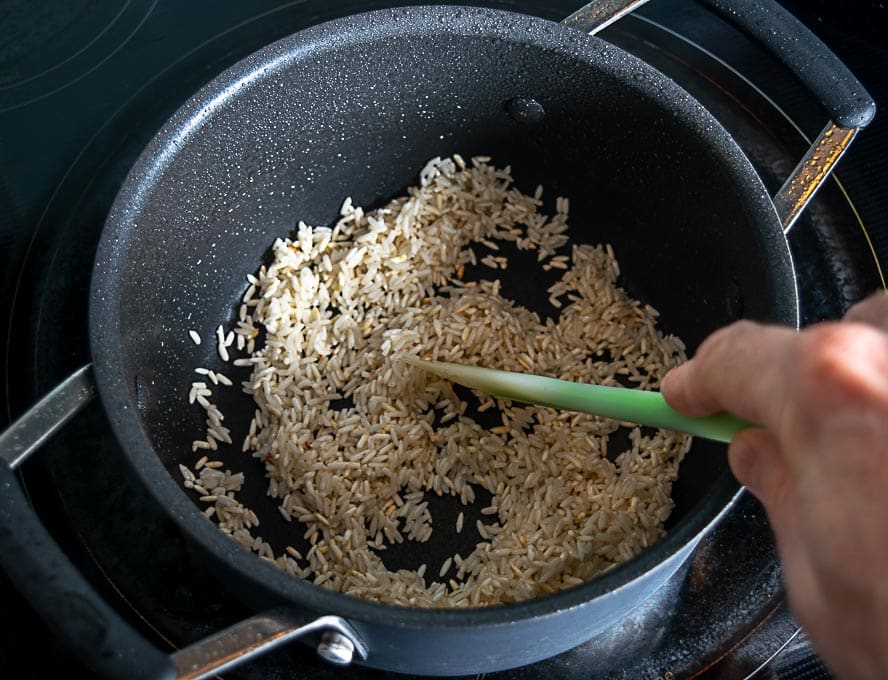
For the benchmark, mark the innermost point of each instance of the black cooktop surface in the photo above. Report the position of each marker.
(83, 87)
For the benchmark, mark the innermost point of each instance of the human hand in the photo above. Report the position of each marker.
(818, 464)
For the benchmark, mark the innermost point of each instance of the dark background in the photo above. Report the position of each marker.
(38, 144)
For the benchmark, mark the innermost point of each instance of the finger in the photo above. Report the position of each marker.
(873, 310)
(739, 369)
(779, 496)
(758, 464)
(807, 600)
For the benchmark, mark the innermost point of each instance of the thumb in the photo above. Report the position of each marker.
(757, 462)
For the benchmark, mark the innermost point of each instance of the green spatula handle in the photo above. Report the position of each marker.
(634, 406)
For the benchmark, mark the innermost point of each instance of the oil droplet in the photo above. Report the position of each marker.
(525, 110)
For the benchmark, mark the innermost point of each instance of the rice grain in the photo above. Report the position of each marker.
(341, 308)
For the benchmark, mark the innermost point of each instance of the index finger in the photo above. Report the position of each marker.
(740, 369)
(872, 310)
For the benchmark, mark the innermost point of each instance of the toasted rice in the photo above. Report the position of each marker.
(341, 308)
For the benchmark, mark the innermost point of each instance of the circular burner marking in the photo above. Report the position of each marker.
(48, 46)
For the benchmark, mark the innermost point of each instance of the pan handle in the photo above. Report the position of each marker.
(70, 606)
(47, 416)
(62, 597)
(40, 570)
(843, 97)
(823, 73)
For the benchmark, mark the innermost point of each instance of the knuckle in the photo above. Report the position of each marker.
(838, 364)
(721, 340)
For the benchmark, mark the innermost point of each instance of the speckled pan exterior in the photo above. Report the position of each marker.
(355, 107)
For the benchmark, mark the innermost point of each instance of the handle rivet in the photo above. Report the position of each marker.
(336, 648)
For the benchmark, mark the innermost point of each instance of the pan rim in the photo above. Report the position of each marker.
(109, 355)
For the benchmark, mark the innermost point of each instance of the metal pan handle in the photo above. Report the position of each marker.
(843, 97)
(61, 596)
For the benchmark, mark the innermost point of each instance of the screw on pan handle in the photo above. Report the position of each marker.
(844, 98)
(72, 608)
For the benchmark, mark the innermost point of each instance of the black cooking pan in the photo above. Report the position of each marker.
(354, 108)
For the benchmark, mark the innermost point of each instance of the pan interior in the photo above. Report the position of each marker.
(293, 131)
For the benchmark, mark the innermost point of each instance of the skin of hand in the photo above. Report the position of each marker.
(818, 464)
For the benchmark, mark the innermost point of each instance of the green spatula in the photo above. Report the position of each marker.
(634, 406)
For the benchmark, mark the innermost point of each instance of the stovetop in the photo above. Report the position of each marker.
(83, 87)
